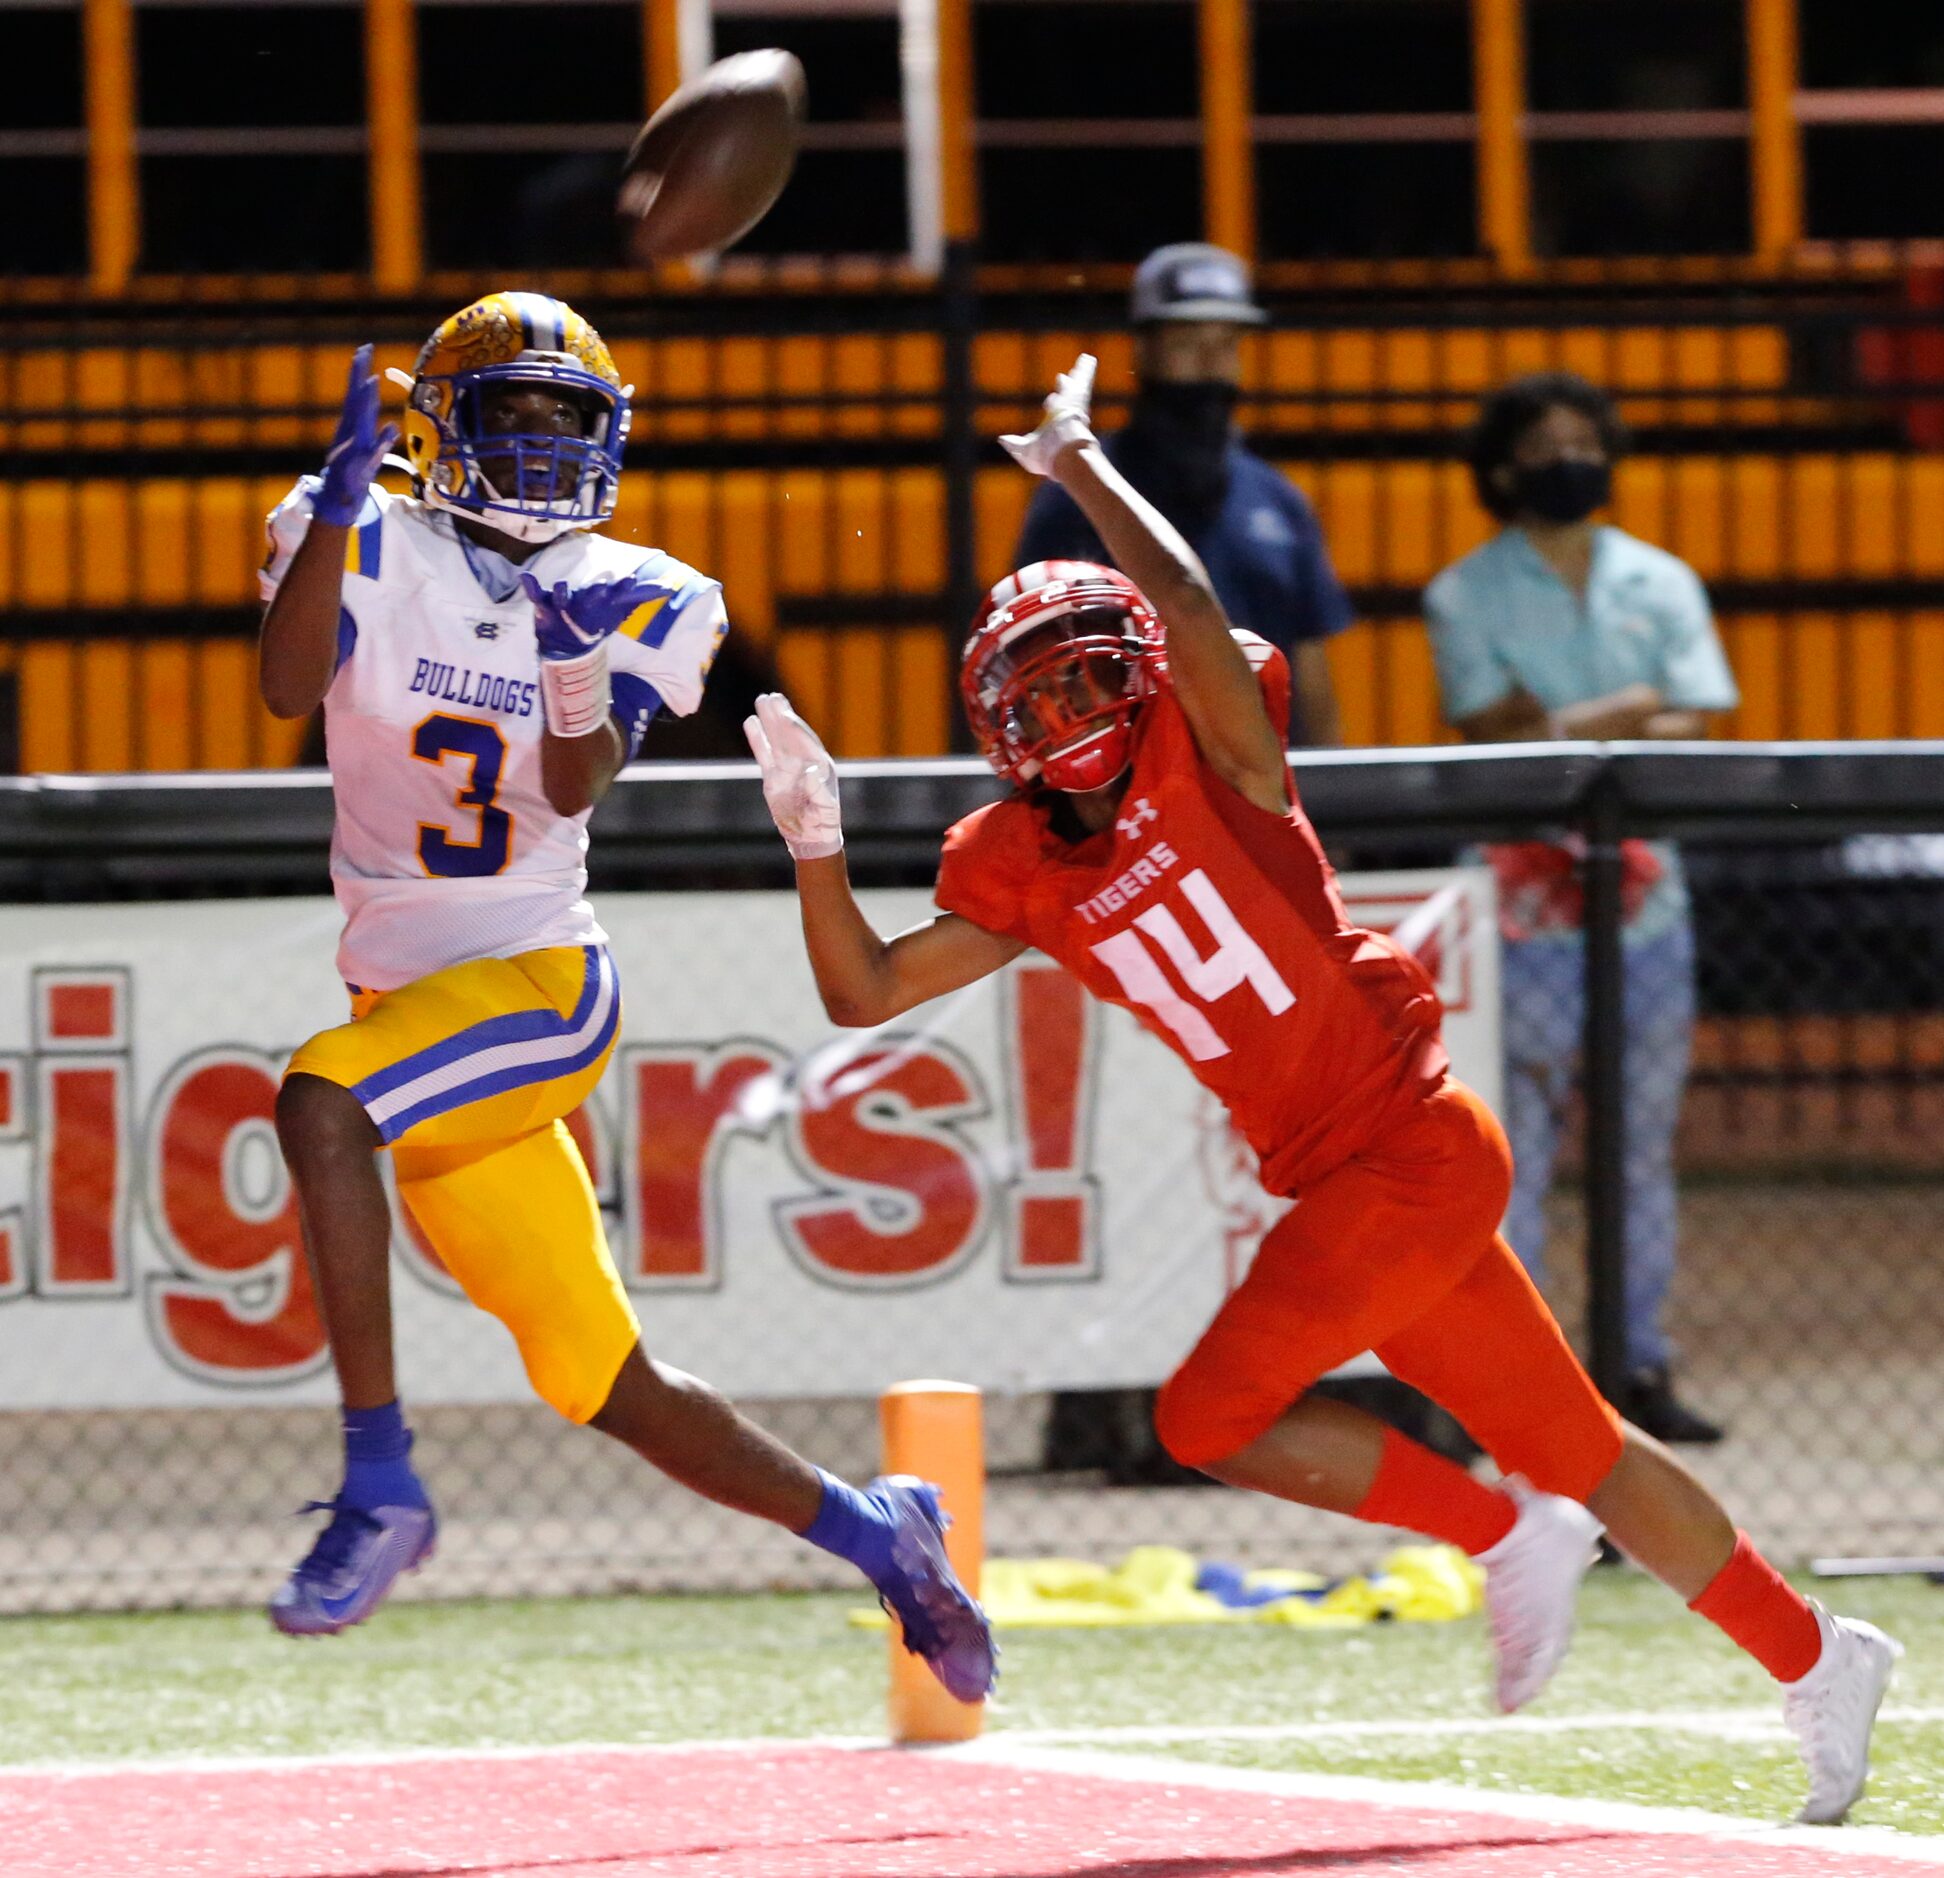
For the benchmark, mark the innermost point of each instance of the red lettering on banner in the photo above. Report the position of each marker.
(684, 1104)
(13, 1127)
(1054, 1202)
(242, 1309)
(82, 1010)
(83, 1158)
(81, 1122)
(906, 1198)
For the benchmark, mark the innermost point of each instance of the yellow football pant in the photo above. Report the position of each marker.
(468, 1075)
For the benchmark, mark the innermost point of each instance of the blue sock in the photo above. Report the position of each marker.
(854, 1527)
(377, 1459)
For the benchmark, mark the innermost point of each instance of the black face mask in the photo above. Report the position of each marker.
(1175, 448)
(1566, 490)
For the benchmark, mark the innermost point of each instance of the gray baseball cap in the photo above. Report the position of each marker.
(1193, 280)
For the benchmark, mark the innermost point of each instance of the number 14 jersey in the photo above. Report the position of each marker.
(1219, 926)
(445, 847)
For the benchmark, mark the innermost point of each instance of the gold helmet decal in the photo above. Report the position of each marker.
(531, 485)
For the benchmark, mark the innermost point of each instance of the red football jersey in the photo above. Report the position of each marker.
(1219, 925)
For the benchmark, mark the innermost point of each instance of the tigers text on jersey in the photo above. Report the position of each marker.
(1219, 925)
(446, 848)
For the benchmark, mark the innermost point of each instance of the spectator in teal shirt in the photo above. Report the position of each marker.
(1561, 626)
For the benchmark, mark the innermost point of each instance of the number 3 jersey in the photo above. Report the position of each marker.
(446, 848)
(1219, 925)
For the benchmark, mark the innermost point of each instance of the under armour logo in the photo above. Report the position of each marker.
(486, 629)
(1144, 812)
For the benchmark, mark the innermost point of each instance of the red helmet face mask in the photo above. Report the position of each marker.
(1054, 672)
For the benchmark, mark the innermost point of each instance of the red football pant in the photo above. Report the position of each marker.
(1398, 1251)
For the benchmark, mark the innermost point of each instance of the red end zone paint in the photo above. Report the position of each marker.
(797, 1813)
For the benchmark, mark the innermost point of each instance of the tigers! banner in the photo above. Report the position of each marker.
(1012, 1186)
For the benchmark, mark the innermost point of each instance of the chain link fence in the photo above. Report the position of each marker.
(1810, 1152)
(1805, 1312)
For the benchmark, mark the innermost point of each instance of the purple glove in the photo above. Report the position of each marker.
(570, 622)
(572, 626)
(357, 449)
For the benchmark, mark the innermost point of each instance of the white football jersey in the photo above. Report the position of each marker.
(445, 847)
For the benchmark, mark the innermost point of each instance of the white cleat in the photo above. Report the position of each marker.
(1532, 1577)
(1831, 1710)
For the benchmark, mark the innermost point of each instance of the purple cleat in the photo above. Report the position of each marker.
(356, 1560)
(941, 1620)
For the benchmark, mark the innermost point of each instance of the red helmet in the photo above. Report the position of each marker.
(1061, 655)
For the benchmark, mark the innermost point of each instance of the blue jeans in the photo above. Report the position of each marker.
(1543, 985)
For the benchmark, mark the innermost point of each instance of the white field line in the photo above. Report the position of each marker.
(1419, 1796)
(1729, 1724)
(16, 1772)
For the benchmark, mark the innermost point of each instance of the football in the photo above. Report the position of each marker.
(708, 165)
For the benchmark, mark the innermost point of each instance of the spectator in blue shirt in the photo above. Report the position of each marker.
(1253, 528)
(1561, 626)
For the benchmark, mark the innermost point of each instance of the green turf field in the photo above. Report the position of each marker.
(208, 1683)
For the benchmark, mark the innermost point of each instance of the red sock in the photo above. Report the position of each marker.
(1751, 1601)
(1422, 1492)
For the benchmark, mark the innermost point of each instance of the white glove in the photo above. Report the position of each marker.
(1065, 420)
(799, 779)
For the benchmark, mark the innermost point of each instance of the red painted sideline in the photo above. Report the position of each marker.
(790, 1813)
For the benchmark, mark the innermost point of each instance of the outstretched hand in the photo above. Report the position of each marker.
(1066, 419)
(799, 778)
(569, 623)
(357, 449)
(571, 630)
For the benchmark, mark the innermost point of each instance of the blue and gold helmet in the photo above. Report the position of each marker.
(540, 485)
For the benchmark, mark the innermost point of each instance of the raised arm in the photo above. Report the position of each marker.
(298, 642)
(1211, 677)
(297, 649)
(863, 979)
